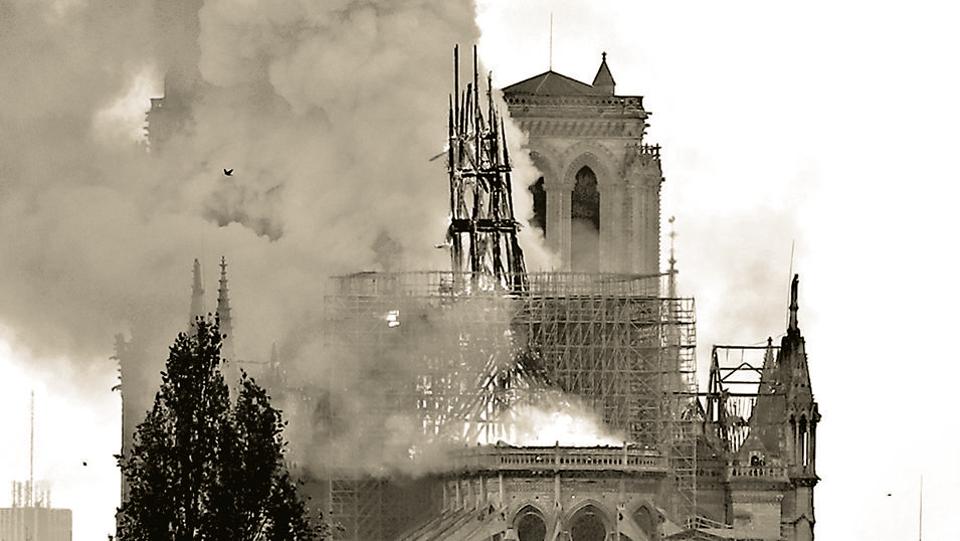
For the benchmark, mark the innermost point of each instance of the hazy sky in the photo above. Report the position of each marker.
(831, 125)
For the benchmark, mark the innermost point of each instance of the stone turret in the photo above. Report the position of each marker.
(603, 81)
(801, 417)
(771, 478)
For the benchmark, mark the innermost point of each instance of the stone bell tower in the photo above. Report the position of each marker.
(598, 202)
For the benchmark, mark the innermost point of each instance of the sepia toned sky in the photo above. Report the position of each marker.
(831, 125)
(826, 129)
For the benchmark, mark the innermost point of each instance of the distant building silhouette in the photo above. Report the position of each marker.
(31, 518)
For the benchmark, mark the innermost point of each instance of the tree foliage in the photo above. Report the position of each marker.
(203, 469)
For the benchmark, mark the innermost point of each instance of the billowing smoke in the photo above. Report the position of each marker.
(327, 112)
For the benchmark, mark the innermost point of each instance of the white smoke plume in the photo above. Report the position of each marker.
(328, 113)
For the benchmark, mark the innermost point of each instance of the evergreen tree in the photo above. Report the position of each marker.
(201, 470)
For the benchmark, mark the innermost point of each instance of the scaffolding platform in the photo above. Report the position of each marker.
(455, 352)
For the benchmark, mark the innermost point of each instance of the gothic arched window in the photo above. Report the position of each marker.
(531, 526)
(585, 222)
(588, 525)
(539, 219)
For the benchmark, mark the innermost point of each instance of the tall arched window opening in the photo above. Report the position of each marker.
(587, 525)
(585, 222)
(531, 527)
(539, 219)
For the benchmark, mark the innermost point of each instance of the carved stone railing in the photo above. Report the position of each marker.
(633, 102)
(554, 459)
(756, 472)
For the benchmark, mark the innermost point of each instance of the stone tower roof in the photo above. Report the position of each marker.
(603, 81)
(551, 83)
(784, 383)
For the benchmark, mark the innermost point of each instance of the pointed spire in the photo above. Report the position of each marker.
(672, 273)
(274, 378)
(604, 79)
(768, 375)
(792, 360)
(223, 312)
(196, 300)
(794, 307)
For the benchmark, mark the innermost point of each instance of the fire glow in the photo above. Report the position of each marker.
(564, 424)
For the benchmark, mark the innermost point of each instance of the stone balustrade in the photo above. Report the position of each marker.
(766, 472)
(552, 459)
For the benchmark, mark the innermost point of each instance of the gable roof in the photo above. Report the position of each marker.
(551, 83)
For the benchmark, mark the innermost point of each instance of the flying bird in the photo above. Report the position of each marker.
(228, 172)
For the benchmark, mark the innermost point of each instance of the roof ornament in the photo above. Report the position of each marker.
(223, 312)
(794, 307)
(550, 65)
(604, 81)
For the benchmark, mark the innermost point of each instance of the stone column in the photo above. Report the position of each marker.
(655, 247)
(796, 443)
(813, 447)
(638, 220)
(651, 256)
(558, 219)
(791, 426)
(628, 218)
(611, 227)
(646, 227)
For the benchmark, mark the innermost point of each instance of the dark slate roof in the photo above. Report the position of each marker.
(551, 83)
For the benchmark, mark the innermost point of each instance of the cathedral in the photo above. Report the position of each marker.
(736, 461)
(598, 201)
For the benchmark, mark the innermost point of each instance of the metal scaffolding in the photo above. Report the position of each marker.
(733, 388)
(483, 232)
(456, 351)
(458, 360)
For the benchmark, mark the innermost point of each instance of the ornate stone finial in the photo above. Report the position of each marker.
(604, 79)
(223, 311)
(768, 356)
(794, 307)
